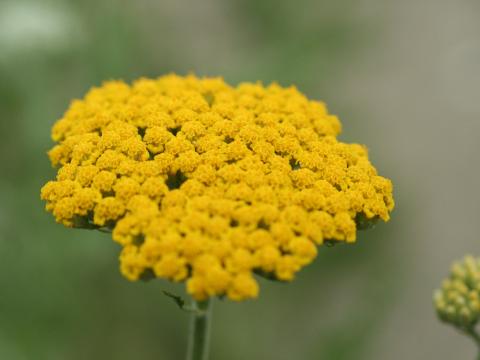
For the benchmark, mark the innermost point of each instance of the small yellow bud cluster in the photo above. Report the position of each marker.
(458, 300)
(206, 183)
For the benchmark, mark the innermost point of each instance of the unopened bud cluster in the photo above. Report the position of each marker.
(458, 300)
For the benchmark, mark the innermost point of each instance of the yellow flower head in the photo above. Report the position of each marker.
(458, 300)
(207, 183)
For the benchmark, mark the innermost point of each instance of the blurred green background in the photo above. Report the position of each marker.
(402, 76)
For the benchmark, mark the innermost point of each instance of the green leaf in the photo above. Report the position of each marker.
(181, 303)
(267, 275)
(177, 299)
(364, 223)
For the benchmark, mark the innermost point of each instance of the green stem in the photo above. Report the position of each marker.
(475, 336)
(199, 334)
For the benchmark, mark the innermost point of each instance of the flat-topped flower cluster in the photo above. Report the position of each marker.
(207, 183)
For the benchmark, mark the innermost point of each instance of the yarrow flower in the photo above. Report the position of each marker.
(208, 184)
(458, 300)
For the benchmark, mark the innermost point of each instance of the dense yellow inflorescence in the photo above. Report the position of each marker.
(458, 300)
(206, 183)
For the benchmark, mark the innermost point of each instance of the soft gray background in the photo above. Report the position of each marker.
(404, 78)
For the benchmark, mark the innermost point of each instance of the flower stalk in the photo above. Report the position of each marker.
(199, 333)
(473, 334)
